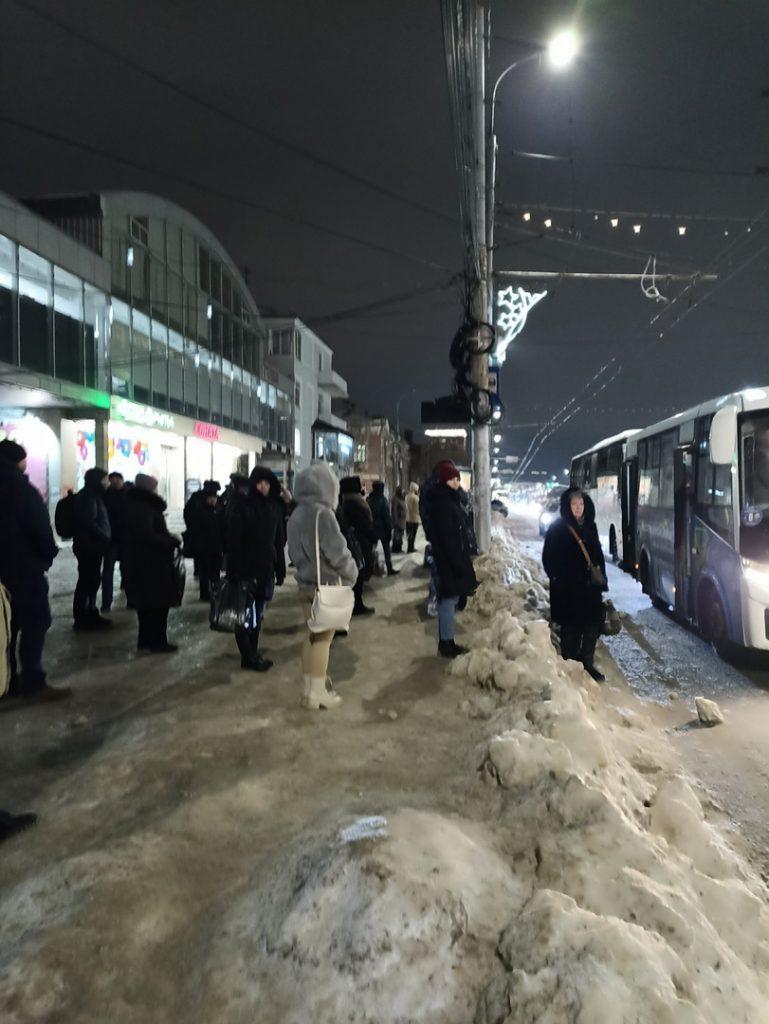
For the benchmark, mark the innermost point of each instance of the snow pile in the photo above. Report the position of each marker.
(386, 919)
(639, 910)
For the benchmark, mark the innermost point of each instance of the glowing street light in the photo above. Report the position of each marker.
(682, 229)
(614, 222)
(563, 48)
(636, 229)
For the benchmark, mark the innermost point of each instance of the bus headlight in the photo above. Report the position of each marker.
(756, 576)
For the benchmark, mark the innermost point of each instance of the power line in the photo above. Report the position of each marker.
(217, 193)
(630, 165)
(347, 314)
(240, 122)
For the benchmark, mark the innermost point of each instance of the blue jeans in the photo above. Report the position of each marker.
(447, 607)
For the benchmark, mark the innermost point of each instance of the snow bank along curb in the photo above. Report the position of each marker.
(637, 909)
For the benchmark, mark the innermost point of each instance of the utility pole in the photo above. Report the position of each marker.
(478, 276)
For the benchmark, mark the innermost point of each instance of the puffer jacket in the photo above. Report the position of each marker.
(316, 492)
(412, 504)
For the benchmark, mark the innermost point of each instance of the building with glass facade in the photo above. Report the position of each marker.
(129, 339)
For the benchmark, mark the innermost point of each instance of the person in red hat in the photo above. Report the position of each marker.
(451, 553)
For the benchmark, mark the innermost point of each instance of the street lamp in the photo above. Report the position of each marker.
(562, 48)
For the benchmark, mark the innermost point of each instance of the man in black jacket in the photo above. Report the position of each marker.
(255, 556)
(383, 523)
(572, 547)
(91, 539)
(356, 516)
(114, 500)
(26, 553)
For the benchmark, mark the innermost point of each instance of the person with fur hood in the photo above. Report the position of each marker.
(574, 562)
(412, 516)
(316, 492)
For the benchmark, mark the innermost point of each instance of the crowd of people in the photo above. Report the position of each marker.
(331, 529)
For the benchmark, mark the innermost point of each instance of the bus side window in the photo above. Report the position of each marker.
(666, 470)
(714, 493)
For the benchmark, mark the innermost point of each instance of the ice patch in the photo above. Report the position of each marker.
(364, 828)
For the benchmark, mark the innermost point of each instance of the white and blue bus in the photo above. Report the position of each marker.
(598, 472)
(694, 500)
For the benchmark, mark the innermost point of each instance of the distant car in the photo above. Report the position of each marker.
(549, 514)
(497, 505)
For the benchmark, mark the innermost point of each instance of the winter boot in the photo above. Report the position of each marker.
(595, 673)
(362, 609)
(248, 645)
(321, 695)
(450, 649)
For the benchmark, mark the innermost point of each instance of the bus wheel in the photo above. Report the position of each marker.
(613, 545)
(713, 622)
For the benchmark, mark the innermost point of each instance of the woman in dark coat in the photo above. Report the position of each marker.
(452, 555)
(399, 520)
(255, 555)
(148, 564)
(576, 601)
(383, 523)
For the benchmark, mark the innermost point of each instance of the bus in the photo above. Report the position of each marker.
(694, 499)
(598, 472)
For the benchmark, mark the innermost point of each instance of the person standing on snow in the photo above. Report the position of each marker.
(383, 524)
(91, 538)
(148, 556)
(255, 556)
(207, 540)
(412, 516)
(26, 554)
(114, 500)
(451, 553)
(357, 516)
(399, 520)
(316, 491)
(574, 562)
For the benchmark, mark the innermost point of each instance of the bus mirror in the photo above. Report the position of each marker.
(723, 436)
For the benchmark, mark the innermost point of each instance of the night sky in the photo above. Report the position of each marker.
(314, 138)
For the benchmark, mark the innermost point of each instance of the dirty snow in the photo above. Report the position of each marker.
(581, 882)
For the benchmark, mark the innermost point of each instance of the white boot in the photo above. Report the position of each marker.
(319, 696)
(306, 681)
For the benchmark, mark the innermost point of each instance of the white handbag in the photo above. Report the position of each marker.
(333, 603)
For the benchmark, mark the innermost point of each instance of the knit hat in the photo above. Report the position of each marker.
(12, 452)
(350, 485)
(145, 482)
(447, 471)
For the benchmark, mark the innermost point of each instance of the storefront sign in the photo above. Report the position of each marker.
(132, 412)
(207, 431)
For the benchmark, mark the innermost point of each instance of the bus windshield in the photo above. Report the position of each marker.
(754, 532)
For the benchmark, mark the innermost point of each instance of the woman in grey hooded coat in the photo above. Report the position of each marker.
(316, 492)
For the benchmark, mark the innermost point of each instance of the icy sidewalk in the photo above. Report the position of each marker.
(502, 841)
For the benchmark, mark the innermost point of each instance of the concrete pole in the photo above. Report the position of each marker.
(478, 277)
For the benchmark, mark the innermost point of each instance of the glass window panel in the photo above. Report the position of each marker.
(204, 388)
(216, 388)
(159, 290)
(35, 299)
(141, 357)
(175, 371)
(190, 378)
(190, 263)
(120, 349)
(96, 323)
(175, 301)
(140, 276)
(226, 290)
(159, 364)
(174, 249)
(68, 326)
(120, 270)
(216, 279)
(7, 299)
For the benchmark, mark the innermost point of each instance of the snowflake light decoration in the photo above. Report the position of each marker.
(513, 306)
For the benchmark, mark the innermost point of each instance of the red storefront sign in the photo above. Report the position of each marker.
(207, 431)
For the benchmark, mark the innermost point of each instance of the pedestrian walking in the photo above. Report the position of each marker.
(114, 500)
(357, 517)
(255, 556)
(451, 552)
(426, 495)
(91, 537)
(383, 523)
(316, 491)
(27, 552)
(398, 509)
(574, 562)
(148, 556)
(412, 517)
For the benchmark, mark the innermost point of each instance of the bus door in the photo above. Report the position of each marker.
(629, 501)
(683, 484)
